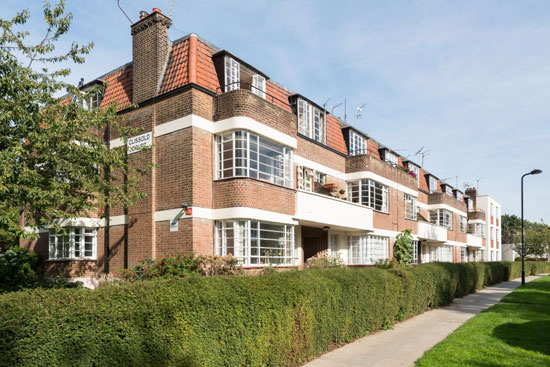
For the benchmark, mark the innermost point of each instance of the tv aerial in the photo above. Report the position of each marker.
(422, 152)
(358, 114)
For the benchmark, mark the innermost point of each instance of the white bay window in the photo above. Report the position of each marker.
(243, 154)
(256, 243)
(367, 249)
(442, 217)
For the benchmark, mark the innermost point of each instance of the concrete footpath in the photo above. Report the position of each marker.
(408, 341)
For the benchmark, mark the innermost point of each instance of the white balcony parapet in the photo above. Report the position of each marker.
(474, 241)
(431, 232)
(313, 208)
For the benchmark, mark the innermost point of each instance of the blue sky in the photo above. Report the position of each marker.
(469, 80)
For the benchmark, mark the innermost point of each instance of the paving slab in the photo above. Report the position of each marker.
(408, 340)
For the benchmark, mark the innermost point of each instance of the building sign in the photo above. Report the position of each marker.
(138, 143)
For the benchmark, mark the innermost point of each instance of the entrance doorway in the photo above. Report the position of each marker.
(314, 241)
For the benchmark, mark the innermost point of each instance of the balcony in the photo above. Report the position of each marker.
(367, 162)
(442, 198)
(244, 103)
(474, 241)
(476, 214)
(317, 210)
(432, 232)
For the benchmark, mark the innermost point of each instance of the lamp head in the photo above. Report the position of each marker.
(536, 171)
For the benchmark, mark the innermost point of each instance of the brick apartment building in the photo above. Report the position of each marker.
(247, 167)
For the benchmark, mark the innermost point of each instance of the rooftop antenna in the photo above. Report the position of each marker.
(456, 182)
(444, 180)
(172, 8)
(477, 183)
(333, 107)
(123, 12)
(358, 115)
(466, 185)
(326, 103)
(422, 152)
(345, 111)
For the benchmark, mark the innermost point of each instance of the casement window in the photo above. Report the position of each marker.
(448, 190)
(432, 184)
(410, 207)
(232, 74)
(444, 253)
(256, 243)
(243, 154)
(258, 85)
(477, 229)
(76, 243)
(415, 252)
(463, 255)
(459, 195)
(492, 210)
(416, 170)
(90, 102)
(470, 204)
(442, 217)
(305, 178)
(357, 144)
(320, 178)
(311, 121)
(462, 224)
(390, 158)
(367, 249)
(369, 193)
(334, 244)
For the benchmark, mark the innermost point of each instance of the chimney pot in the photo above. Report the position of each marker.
(143, 14)
(156, 10)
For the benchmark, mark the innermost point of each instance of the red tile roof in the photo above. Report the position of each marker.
(335, 138)
(177, 73)
(119, 87)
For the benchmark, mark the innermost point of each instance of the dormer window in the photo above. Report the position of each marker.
(416, 170)
(459, 196)
(234, 74)
(389, 157)
(357, 144)
(432, 182)
(311, 121)
(447, 189)
(90, 102)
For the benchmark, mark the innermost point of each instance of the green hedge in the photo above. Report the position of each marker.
(276, 319)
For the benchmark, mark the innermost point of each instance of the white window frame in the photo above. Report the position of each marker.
(416, 170)
(432, 184)
(334, 244)
(258, 85)
(410, 207)
(369, 193)
(367, 249)
(448, 190)
(320, 178)
(357, 144)
(311, 121)
(444, 253)
(238, 154)
(462, 224)
(390, 157)
(232, 74)
(255, 243)
(72, 244)
(415, 244)
(442, 217)
(459, 196)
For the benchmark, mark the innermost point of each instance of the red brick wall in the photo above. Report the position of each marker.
(251, 193)
(317, 153)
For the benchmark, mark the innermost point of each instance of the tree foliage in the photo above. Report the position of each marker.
(403, 247)
(52, 151)
(536, 236)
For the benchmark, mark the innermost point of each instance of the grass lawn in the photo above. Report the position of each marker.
(515, 332)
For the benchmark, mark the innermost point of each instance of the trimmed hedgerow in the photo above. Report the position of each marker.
(278, 319)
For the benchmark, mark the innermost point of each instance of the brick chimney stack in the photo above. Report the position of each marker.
(472, 193)
(150, 48)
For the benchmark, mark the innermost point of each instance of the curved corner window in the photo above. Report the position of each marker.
(243, 154)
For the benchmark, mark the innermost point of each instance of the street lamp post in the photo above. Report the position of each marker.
(533, 172)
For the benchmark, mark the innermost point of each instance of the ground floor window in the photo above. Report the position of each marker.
(256, 243)
(463, 255)
(445, 253)
(415, 252)
(367, 249)
(73, 243)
